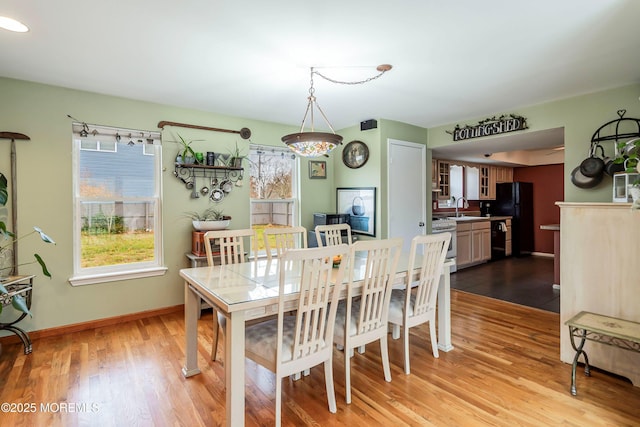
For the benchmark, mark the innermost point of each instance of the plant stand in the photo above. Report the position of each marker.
(17, 285)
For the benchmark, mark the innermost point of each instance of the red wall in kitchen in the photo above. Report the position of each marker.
(548, 188)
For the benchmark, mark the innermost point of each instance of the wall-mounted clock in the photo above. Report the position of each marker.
(355, 154)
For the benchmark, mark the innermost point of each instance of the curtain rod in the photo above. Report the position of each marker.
(245, 133)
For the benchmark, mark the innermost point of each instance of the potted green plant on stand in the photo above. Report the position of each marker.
(7, 239)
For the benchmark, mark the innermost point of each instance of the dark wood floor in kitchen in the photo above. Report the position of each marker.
(526, 281)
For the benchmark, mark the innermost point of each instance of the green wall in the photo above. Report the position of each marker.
(580, 116)
(45, 180)
(44, 184)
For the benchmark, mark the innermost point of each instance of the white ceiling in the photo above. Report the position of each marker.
(452, 60)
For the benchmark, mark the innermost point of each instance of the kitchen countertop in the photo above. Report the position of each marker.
(480, 218)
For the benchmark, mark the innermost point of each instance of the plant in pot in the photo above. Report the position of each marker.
(7, 239)
(236, 157)
(187, 155)
(209, 219)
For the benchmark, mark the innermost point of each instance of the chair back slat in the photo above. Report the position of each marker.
(285, 238)
(316, 310)
(380, 269)
(434, 248)
(333, 234)
(231, 244)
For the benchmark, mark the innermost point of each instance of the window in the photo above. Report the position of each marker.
(117, 200)
(274, 190)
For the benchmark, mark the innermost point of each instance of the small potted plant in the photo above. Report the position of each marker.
(209, 219)
(187, 155)
(236, 157)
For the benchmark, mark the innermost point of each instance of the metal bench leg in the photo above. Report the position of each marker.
(573, 332)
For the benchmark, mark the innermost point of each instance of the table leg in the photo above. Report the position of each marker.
(444, 311)
(234, 368)
(191, 310)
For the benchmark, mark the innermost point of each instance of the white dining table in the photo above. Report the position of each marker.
(249, 291)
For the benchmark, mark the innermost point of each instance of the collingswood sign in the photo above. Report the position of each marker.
(487, 127)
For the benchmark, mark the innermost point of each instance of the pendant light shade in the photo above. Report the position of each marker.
(312, 144)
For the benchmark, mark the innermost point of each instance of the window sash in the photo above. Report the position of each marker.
(147, 193)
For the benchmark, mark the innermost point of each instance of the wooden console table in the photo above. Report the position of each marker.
(602, 329)
(17, 285)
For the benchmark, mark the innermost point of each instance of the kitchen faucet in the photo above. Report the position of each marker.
(464, 205)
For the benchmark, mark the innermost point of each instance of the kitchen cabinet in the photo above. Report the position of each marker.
(473, 239)
(504, 174)
(463, 245)
(488, 182)
(479, 180)
(481, 241)
(444, 179)
(434, 175)
(507, 241)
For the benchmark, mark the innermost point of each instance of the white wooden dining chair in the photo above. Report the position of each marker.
(284, 238)
(333, 234)
(231, 245)
(416, 303)
(293, 343)
(363, 317)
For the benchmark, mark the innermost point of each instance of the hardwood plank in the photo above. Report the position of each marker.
(504, 370)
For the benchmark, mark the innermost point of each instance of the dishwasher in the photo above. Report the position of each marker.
(498, 240)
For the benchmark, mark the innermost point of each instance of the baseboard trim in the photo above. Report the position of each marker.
(93, 324)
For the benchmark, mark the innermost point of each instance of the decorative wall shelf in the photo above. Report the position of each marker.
(187, 172)
(218, 180)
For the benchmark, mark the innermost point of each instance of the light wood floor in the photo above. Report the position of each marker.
(504, 371)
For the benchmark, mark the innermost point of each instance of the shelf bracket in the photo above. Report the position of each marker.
(245, 133)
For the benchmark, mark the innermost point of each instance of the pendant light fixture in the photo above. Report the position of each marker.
(315, 144)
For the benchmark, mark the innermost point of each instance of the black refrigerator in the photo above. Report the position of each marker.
(515, 199)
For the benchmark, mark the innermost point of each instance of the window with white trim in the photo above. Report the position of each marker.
(117, 204)
(274, 181)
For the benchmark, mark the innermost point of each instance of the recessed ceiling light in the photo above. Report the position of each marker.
(13, 25)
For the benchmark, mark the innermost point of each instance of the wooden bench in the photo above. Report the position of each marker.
(607, 330)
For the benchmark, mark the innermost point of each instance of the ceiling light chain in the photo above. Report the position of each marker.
(382, 68)
(315, 144)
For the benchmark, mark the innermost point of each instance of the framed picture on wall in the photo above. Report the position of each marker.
(360, 204)
(317, 169)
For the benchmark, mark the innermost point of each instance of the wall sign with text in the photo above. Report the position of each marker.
(488, 127)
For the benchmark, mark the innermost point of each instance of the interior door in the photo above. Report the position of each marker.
(407, 184)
